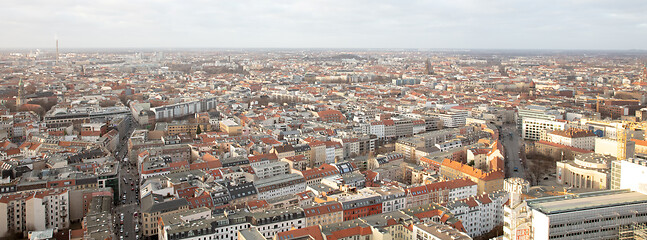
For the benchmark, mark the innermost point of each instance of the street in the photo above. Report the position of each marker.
(512, 143)
(128, 187)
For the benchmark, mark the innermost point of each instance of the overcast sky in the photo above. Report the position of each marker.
(502, 24)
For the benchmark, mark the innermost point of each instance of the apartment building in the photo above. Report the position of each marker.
(534, 128)
(153, 209)
(573, 137)
(34, 211)
(281, 185)
(323, 213)
(487, 181)
(271, 169)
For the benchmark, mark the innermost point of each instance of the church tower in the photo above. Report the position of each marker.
(21, 94)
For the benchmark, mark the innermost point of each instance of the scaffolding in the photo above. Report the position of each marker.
(634, 231)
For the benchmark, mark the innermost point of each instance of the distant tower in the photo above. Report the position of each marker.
(21, 92)
(428, 68)
(56, 50)
(531, 89)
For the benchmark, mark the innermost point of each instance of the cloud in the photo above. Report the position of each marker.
(546, 24)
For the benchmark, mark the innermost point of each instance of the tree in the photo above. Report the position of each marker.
(197, 132)
(471, 163)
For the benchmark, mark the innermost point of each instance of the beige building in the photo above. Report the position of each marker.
(152, 211)
(230, 127)
(317, 154)
(323, 213)
(609, 146)
(586, 171)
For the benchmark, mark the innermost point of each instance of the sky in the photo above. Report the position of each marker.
(462, 24)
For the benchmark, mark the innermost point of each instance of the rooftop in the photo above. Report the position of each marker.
(585, 201)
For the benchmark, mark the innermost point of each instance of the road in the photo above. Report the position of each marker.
(128, 187)
(514, 152)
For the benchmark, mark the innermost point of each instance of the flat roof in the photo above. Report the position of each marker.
(585, 201)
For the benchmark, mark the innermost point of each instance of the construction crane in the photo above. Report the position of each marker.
(621, 135)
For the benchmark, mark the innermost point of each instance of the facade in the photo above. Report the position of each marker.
(593, 215)
(185, 108)
(629, 174)
(573, 137)
(152, 211)
(34, 211)
(534, 128)
(279, 186)
(609, 146)
(230, 127)
(586, 171)
(487, 181)
(323, 213)
(437, 231)
(271, 169)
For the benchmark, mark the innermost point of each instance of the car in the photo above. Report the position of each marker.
(122, 229)
(121, 237)
(137, 237)
(545, 178)
(136, 228)
(132, 184)
(132, 189)
(516, 169)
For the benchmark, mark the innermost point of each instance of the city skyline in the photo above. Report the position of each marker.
(585, 25)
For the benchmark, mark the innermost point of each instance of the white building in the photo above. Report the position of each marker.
(573, 137)
(609, 146)
(437, 231)
(453, 119)
(533, 128)
(590, 170)
(34, 211)
(592, 215)
(448, 145)
(393, 198)
(629, 174)
(271, 169)
(279, 186)
(479, 214)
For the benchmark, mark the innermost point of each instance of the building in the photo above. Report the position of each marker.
(437, 231)
(323, 213)
(182, 109)
(629, 174)
(453, 119)
(271, 169)
(586, 171)
(592, 215)
(199, 223)
(487, 182)
(271, 222)
(282, 185)
(393, 198)
(516, 217)
(440, 192)
(609, 146)
(153, 209)
(577, 138)
(34, 211)
(479, 214)
(230, 127)
(534, 128)
(331, 115)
